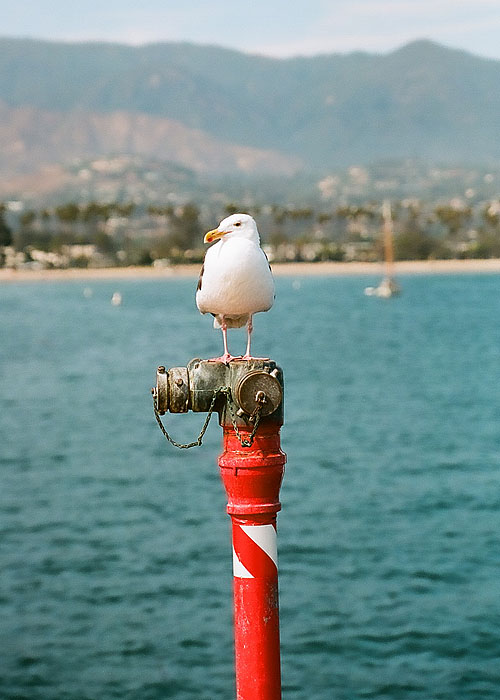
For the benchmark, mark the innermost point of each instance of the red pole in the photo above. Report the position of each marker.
(252, 478)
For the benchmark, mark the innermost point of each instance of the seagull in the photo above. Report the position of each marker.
(235, 280)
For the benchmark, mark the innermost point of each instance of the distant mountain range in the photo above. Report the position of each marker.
(216, 110)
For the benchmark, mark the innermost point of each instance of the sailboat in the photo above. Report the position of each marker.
(388, 287)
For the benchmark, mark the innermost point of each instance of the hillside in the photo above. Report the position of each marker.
(31, 136)
(209, 108)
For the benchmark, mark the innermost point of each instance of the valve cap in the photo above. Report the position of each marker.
(258, 389)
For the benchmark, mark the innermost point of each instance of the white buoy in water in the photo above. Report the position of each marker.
(116, 299)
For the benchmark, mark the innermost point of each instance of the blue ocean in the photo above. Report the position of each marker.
(115, 547)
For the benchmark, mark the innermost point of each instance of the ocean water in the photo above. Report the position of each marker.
(115, 547)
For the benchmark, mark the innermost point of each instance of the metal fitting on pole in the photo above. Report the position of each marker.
(248, 396)
(253, 383)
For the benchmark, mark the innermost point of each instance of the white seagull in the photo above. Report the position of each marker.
(236, 280)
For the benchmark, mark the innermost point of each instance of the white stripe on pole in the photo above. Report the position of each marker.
(238, 569)
(264, 537)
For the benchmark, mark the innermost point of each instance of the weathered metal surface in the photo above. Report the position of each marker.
(258, 389)
(160, 392)
(178, 390)
(254, 384)
(205, 377)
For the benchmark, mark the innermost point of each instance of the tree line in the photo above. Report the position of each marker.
(130, 234)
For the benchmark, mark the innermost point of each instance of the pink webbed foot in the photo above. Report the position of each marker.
(250, 357)
(225, 358)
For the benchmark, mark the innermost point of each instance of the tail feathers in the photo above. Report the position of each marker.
(231, 321)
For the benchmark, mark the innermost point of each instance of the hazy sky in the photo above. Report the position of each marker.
(272, 27)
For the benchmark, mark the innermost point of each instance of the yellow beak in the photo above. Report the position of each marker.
(213, 235)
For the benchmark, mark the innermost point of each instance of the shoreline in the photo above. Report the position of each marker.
(412, 267)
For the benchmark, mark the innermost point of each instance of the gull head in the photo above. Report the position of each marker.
(234, 226)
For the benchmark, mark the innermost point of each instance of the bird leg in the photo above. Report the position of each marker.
(247, 355)
(226, 357)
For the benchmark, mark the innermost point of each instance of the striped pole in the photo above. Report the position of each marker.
(256, 612)
(252, 478)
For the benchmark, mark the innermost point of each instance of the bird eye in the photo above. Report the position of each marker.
(237, 223)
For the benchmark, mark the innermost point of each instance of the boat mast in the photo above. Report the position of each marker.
(388, 239)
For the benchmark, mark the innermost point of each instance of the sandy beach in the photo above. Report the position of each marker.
(417, 267)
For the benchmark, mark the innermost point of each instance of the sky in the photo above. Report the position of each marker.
(278, 28)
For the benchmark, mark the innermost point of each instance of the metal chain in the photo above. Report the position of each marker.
(248, 442)
(197, 442)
